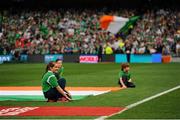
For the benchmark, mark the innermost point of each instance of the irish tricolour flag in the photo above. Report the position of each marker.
(112, 23)
(34, 93)
(115, 24)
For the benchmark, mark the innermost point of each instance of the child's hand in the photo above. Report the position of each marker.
(68, 98)
(69, 95)
(124, 86)
(129, 80)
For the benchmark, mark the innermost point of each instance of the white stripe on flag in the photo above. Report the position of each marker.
(40, 92)
(117, 24)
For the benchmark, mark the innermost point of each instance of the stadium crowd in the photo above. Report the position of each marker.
(72, 31)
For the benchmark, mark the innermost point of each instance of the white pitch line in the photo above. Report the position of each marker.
(140, 102)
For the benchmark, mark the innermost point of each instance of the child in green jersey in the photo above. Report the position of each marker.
(125, 77)
(51, 87)
(60, 72)
(59, 76)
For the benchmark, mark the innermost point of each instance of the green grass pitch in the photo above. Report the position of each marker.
(150, 79)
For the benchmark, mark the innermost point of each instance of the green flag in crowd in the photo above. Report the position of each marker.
(129, 25)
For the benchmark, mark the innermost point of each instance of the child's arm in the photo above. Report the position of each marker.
(122, 83)
(61, 71)
(68, 93)
(61, 91)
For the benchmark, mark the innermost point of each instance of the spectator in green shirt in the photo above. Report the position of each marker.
(51, 86)
(125, 80)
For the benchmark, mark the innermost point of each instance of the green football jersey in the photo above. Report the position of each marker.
(61, 71)
(49, 81)
(124, 75)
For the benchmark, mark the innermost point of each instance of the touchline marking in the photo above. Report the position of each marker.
(139, 102)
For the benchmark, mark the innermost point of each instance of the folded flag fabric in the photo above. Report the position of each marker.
(112, 23)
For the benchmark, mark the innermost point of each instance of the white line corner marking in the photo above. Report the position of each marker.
(140, 102)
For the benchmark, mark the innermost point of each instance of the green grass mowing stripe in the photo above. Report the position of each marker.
(30, 74)
(164, 107)
(141, 102)
(85, 75)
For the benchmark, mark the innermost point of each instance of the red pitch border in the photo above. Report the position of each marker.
(59, 111)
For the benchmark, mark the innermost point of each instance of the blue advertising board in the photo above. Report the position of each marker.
(50, 57)
(139, 58)
(23, 58)
(156, 58)
(4, 58)
(120, 58)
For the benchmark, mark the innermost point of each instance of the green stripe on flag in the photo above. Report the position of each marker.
(129, 24)
(33, 97)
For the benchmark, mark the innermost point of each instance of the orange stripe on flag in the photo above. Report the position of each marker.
(105, 21)
(28, 88)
